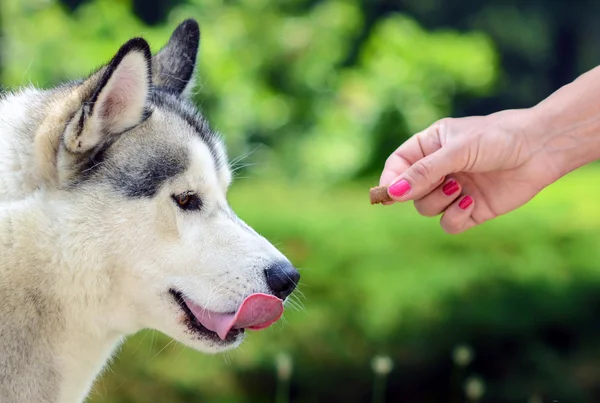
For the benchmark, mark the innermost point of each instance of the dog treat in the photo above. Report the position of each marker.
(379, 194)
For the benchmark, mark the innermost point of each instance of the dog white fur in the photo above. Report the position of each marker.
(113, 201)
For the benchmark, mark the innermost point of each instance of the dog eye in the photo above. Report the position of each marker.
(188, 201)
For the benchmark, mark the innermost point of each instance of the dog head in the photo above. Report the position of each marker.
(143, 179)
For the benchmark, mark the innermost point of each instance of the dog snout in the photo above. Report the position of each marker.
(282, 278)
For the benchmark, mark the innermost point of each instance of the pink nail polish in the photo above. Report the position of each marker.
(450, 188)
(465, 202)
(399, 188)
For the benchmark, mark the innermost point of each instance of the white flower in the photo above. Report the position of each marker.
(284, 365)
(474, 388)
(382, 364)
(462, 355)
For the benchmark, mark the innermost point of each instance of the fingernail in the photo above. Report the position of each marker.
(450, 188)
(399, 188)
(465, 202)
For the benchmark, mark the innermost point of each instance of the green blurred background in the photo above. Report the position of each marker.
(312, 96)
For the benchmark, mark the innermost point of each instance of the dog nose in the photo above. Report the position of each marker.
(282, 279)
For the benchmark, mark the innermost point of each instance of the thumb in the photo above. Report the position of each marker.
(424, 175)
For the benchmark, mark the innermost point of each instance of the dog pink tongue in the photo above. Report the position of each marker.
(256, 312)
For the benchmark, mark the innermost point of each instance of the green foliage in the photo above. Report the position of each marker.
(275, 74)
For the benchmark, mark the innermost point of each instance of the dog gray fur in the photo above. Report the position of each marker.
(94, 238)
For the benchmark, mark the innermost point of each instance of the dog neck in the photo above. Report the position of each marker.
(81, 360)
(53, 329)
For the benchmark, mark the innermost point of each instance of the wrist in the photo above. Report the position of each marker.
(567, 139)
(568, 123)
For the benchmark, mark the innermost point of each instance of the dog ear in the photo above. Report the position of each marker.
(109, 102)
(114, 99)
(174, 65)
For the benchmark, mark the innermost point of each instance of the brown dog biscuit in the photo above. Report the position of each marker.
(379, 194)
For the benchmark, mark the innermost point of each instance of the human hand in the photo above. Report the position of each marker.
(471, 169)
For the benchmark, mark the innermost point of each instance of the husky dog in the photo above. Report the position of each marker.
(114, 218)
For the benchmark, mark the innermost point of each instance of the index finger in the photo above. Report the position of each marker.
(412, 150)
